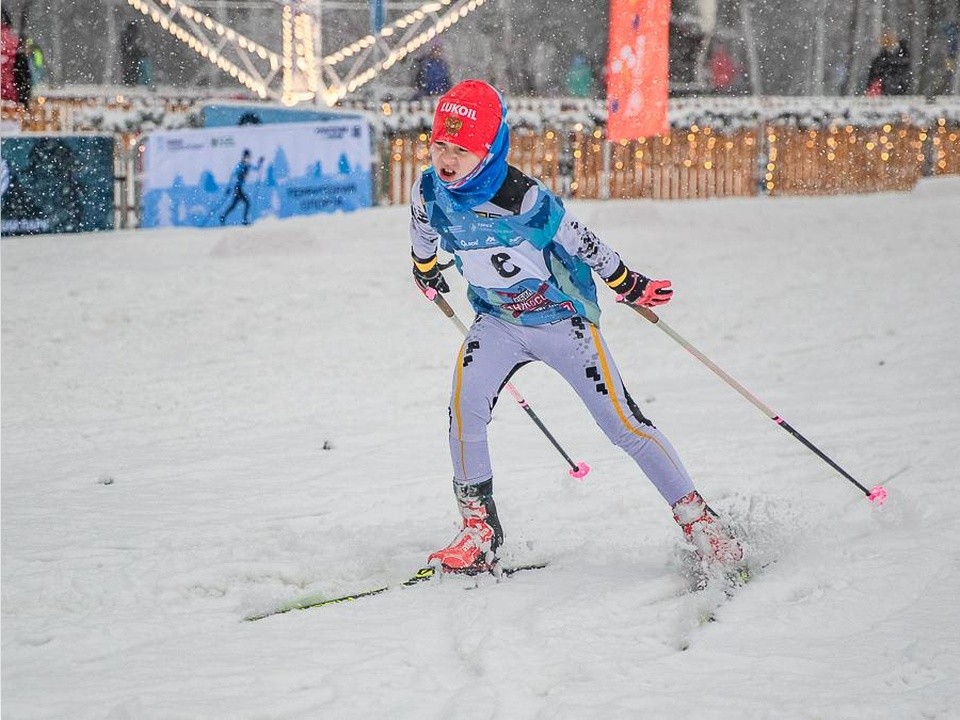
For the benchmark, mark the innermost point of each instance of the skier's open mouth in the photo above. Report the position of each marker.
(447, 175)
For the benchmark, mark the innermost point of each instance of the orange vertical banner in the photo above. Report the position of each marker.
(638, 80)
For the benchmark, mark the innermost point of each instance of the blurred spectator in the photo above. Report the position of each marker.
(725, 73)
(540, 69)
(431, 73)
(838, 76)
(38, 71)
(890, 72)
(941, 62)
(135, 66)
(9, 50)
(21, 75)
(16, 85)
(686, 40)
(579, 80)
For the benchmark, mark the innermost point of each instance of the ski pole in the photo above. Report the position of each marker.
(876, 495)
(577, 470)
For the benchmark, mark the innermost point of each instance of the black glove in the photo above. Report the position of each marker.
(635, 289)
(427, 275)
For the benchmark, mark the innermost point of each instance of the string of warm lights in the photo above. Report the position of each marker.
(833, 157)
(403, 23)
(407, 22)
(221, 30)
(952, 141)
(297, 62)
(841, 146)
(204, 48)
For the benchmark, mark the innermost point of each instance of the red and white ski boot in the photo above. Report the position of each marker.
(474, 549)
(703, 528)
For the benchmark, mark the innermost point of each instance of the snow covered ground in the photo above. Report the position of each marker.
(168, 396)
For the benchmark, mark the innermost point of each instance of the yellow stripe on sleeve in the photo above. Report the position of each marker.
(425, 265)
(613, 282)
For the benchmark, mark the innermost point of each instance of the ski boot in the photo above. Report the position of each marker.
(714, 542)
(474, 549)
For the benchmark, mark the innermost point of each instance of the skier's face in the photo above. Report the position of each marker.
(452, 162)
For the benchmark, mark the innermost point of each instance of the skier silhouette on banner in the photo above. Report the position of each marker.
(235, 187)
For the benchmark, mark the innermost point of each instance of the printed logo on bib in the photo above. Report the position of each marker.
(528, 300)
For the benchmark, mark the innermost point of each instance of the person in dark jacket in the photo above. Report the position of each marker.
(890, 72)
(132, 55)
(22, 76)
(431, 73)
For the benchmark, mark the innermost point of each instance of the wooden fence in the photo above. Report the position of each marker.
(843, 160)
(764, 156)
(945, 139)
(693, 163)
(699, 163)
(73, 114)
(39, 117)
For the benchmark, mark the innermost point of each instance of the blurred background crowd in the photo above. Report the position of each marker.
(538, 48)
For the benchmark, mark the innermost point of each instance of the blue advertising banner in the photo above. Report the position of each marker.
(237, 175)
(234, 114)
(56, 184)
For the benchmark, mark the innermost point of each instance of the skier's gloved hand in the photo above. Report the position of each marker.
(635, 289)
(427, 275)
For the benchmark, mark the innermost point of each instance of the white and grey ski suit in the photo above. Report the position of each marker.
(527, 263)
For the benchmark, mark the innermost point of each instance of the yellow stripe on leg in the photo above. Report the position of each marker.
(457, 387)
(611, 388)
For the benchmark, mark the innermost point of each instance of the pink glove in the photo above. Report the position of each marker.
(635, 289)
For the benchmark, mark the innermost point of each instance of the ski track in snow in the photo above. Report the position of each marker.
(167, 396)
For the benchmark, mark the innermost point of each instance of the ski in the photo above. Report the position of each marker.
(722, 588)
(424, 574)
(709, 592)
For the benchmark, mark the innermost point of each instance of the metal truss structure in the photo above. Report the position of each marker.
(299, 72)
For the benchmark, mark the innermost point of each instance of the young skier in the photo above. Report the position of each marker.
(527, 263)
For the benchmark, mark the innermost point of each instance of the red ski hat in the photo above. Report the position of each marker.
(468, 115)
